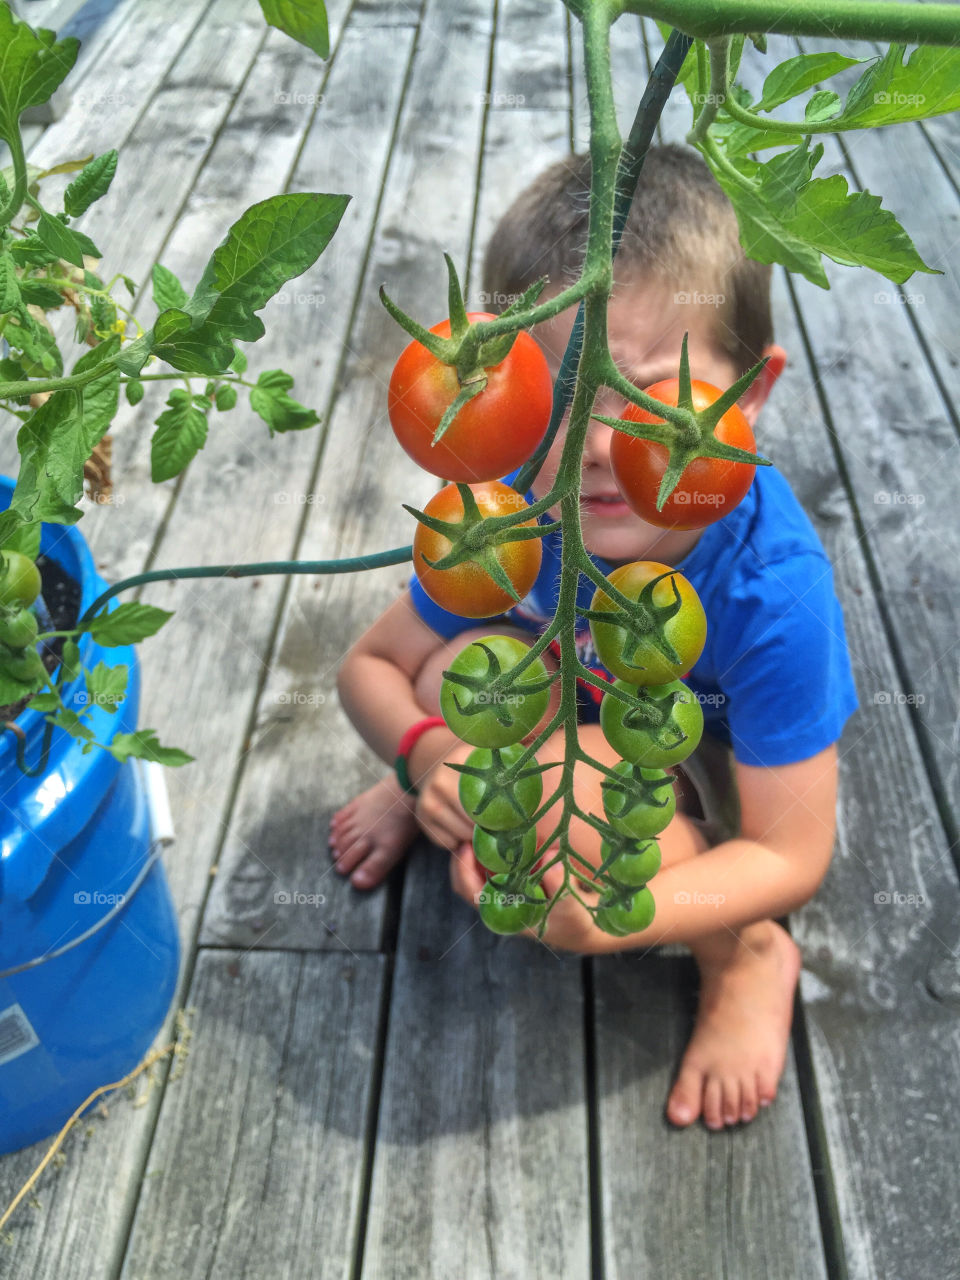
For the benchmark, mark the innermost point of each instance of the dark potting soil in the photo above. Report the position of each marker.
(61, 595)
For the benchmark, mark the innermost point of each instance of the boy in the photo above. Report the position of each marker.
(774, 679)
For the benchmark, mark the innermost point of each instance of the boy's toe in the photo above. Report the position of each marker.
(713, 1103)
(683, 1105)
(375, 867)
(731, 1101)
(766, 1087)
(351, 852)
(748, 1098)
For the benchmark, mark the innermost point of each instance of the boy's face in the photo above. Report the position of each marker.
(645, 328)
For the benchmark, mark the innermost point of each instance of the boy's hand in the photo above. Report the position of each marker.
(438, 810)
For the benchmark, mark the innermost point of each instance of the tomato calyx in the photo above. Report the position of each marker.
(653, 711)
(641, 620)
(464, 351)
(490, 692)
(500, 779)
(637, 789)
(475, 536)
(687, 433)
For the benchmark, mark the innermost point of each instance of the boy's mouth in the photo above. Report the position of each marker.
(605, 505)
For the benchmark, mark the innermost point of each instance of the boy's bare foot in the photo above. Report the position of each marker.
(736, 1054)
(371, 834)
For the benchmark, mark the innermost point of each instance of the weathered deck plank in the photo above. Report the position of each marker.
(256, 1168)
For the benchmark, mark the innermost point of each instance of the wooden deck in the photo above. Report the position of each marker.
(377, 1087)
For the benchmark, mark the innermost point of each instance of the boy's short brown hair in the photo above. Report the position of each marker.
(681, 230)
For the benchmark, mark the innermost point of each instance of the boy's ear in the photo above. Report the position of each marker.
(755, 397)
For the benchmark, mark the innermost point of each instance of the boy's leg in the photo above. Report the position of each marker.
(747, 976)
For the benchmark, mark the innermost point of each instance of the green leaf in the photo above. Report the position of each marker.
(131, 285)
(269, 399)
(134, 392)
(107, 686)
(32, 65)
(822, 106)
(170, 322)
(44, 702)
(90, 185)
(181, 433)
(30, 250)
(59, 239)
(69, 721)
(40, 355)
(9, 285)
(40, 294)
(168, 292)
(145, 744)
(303, 20)
(239, 363)
(128, 623)
(796, 75)
(226, 397)
(26, 540)
(70, 660)
(889, 92)
(55, 442)
(791, 218)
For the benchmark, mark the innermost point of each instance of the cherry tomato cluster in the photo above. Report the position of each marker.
(648, 625)
(21, 667)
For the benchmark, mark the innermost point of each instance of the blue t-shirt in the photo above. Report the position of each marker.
(774, 678)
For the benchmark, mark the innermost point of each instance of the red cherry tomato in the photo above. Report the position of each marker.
(492, 434)
(708, 487)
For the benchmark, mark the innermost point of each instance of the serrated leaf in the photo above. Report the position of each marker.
(55, 442)
(796, 75)
(90, 185)
(181, 433)
(145, 744)
(134, 392)
(40, 294)
(44, 702)
(107, 686)
(168, 292)
(34, 63)
(890, 92)
(30, 250)
(60, 239)
(269, 399)
(302, 20)
(128, 623)
(226, 397)
(40, 356)
(792, 219)
(239, 362)
(821, 107)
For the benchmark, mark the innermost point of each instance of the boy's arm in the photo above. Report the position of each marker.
(771, 868)
(376, 683)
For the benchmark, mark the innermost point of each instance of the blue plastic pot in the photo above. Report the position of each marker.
(72, 844)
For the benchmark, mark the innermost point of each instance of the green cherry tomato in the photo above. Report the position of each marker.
(24, 665)
(510, 907)
(19, 579)
(489, 798)
(675, 615)
(486, 716)
(501, 851)
(18, 630)
(631, 913)
(664, 726)
(642, 803)
(634, 866)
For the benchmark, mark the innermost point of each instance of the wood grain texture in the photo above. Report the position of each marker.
(737, 1203)
(257, 1162)
(482, 1110)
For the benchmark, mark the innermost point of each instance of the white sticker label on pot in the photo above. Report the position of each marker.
(16, 1034)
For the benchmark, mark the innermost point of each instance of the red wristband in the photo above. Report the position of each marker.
(405, 746)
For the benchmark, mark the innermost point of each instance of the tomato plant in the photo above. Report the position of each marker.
(707, 488)
(502, 851)
(19, 580)
(662, 727)
(636, 861)
(620, 913)
(491, 434)
(18, 629)
(509, 906)
(676, 628)
(638, 802)
(480, 702)
(467, 588)
(493, 793)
